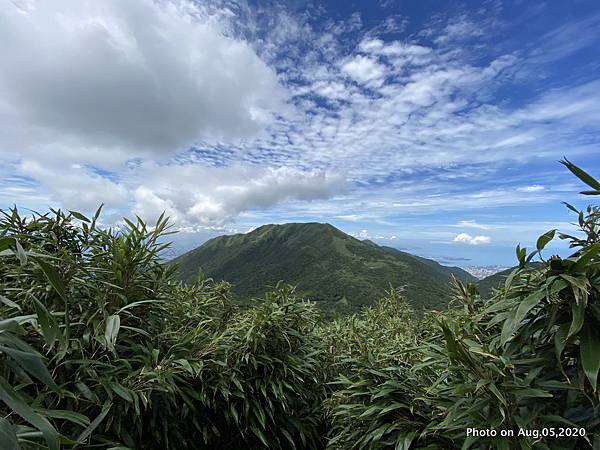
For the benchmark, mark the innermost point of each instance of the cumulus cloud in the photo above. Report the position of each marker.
(364, 69)
(140, 76)
(466, 238)
(192, 194)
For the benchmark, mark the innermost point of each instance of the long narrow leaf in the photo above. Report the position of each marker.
(14, 401)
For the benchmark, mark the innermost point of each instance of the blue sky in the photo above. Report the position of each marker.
(430, 126)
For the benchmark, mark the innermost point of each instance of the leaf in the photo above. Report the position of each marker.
(111, 332)
(260, 435)
(86, 391)
(9, 303)
(53, 277)
(521, 254)
(32, 364)
(507, 328)
(121, 391)
(12, 399)
(79, 216)
(71, 416)
(584, 260)
(5, 243)
(544, 239)
(578, 311)
(20, 253)
(92, 426)
(571, 207)
(581, 174)
(48, 323)
(589, 348)
(8, 435)
(11, 324)
(559, 341)
(526, 305)
(530, 392)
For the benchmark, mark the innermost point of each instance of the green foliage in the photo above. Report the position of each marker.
(527, 358)
(99, 347)
(341, 273)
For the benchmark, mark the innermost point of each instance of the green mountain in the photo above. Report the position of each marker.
(326, 265)
(488, 284)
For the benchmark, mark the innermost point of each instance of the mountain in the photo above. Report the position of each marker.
(488, 284)
(327, 266)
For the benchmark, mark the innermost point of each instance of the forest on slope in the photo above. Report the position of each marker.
(341, 273)
(100, 347)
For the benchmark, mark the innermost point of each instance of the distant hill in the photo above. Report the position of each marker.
(327, 266)
(488, 284)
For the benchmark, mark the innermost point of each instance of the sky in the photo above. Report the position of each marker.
(434, 126)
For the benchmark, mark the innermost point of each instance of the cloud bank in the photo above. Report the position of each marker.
(127, 78)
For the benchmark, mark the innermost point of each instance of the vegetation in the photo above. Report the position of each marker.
(101, 348)
(487, 285)
(341, 273)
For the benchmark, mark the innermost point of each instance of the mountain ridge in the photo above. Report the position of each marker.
(326, 264)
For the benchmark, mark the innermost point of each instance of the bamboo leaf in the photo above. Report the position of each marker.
(112, 330)
(544, 239)
(9, 303)
(71, 416)
(14, 401)
(581, 174)
(97, 421)
(590, 353)
(31, 363)
(525, 306)
(48, 323)
(53, 277)
(21, 254)
(578, 312)
(8, 435)
(121, 391)
(79, 216)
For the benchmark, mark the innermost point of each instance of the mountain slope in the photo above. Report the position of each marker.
(488, 284)
(324, 263)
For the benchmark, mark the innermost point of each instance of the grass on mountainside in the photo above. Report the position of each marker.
(325, 264)
(101, 348)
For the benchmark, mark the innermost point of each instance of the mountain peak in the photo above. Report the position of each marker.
(326, 264)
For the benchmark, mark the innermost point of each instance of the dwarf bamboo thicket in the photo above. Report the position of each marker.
(101, 348)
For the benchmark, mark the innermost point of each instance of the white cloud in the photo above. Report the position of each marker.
(472, 240)
(148, 78)
(364, 69)
(532, 188)
(76, 187)
(363, 234)
(191, 194)
(136, 76)
(472, 224)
